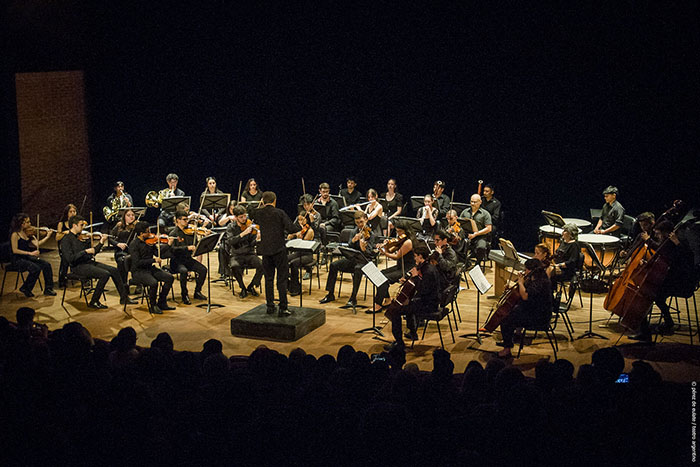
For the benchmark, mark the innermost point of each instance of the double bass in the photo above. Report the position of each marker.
(640, 255)
(644, 284)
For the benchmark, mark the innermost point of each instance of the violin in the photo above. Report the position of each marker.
(393, 245)
(192, 229)
(31, 230)
(86, 235)
(254, 230)
(154, 239)
(366, 232)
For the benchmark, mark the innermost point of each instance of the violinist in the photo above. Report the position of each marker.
(145, 269)
(273, 224)
(211, 189)
(239, 241)
(350, 194)
(165, 218)
(182, 246)
(313, 217)
(446, 260)
(81, 257)
(424, 302)
(534, 307)
(228, 216)
(442, 202)
(457, 235)
(428, 215)
(122, 234)
(404, 262)
(612, 214)
(392, 207)
(61, 230)
(306, 232)
(680, 279)
(567, 257)
(480, 240)
(330, 215)
(25, 254)
(362, 239)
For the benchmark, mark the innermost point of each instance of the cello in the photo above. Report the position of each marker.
(643, 285)
(510, 298)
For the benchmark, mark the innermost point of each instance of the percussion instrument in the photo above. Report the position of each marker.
(582, 224)
(551, 235)
(606, 247)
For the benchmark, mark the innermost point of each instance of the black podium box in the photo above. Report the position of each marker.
(256, 323)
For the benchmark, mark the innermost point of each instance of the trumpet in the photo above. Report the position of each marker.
(155, 198)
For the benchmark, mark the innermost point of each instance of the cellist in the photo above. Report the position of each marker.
(424, 301)
(679, 281)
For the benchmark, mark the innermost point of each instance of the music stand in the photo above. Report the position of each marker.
(358, 257)
(214, 201)
(170, 204)
(408, 223)
(300, 247)
(417, 203)
(459, 207)
(468, 224)
(482, 285)
(596, 261)
(339, 199)
(553, 219)
(206, 245)
(375, 276)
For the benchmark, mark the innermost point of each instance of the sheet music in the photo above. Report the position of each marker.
(479, 280)
(300, 244)
(374, 274)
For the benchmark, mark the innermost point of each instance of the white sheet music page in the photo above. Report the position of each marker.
(479, 279)
(374, 274)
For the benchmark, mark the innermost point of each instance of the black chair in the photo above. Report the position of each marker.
(450, 300)
(85, 287)
(437, 316)
(547, 328)
(7, 266)
(562, 309)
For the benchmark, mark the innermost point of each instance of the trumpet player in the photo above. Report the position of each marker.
(165, 218)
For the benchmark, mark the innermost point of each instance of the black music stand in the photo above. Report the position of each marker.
(553, 219)
(170, 204)
(409, 222)
(214, 201)
(467, 224)
(340, 200)
(206, 245)
(358, 257)
(375, 276)
(300, 247)
(417, 203)
(482, 285)
(596, 261)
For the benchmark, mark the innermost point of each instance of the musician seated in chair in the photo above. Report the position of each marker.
(239, 241)
(680, 279)
(612, 214)
(145, 269)
(404, 258)
(534, 308)
(480, 240)
(182, 245)
(425, 300)
(566, 258)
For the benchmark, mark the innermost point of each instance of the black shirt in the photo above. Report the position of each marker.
(274, 225)
(237, 245)
(330, 212)
(612, 214)
(141, 255)
(182, 241)
(447, 265)
(369, 248)
(390, 207)
(428, 288)
(539, 300)
(350, 198)
(494, 208)
(73, 250)
(443, 204)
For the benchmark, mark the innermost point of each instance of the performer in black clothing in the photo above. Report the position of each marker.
(239, 241)
(457, 235)
(273, 224)
(612, 214)
(145, 269)
(350, 194)
(182, 246)
(480, 240)
(425, 300)
(393, 206)
(62, 229)
(306, 232)
(641, 232)
(493, 206)
(567, 257)
(330, 214)
(362, 239)
(446, 260)
(165, 218)
(680, 279)
(405, 261)
(123, 233)
(125, 198)
(428, 215)
(211, 189)
(25, 254)
(535, 306)
(251, 195)
(442, 202)
(81, 257)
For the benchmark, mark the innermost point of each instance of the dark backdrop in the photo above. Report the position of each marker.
(550, 101)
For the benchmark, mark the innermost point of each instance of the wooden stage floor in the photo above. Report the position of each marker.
(190, 326)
